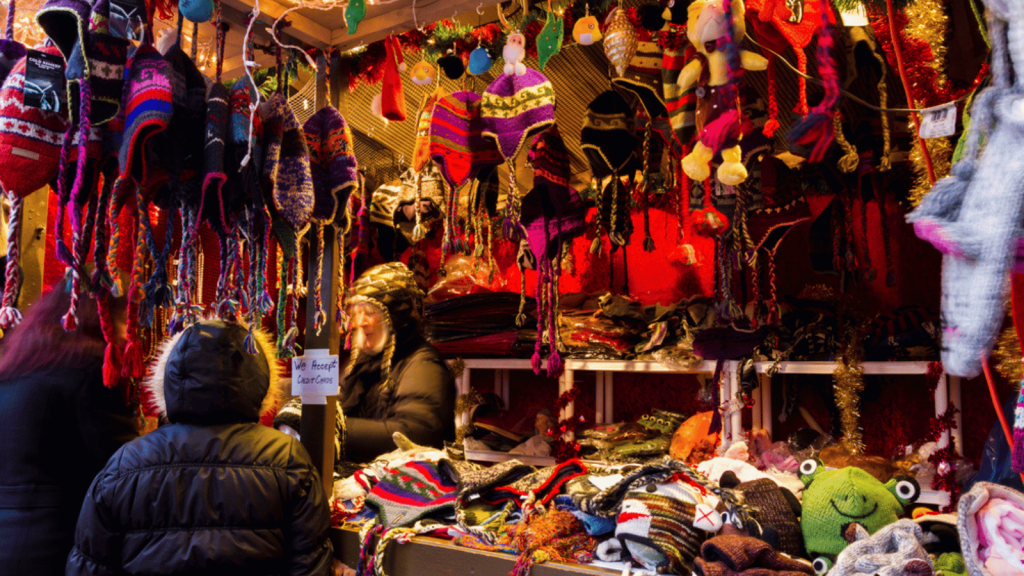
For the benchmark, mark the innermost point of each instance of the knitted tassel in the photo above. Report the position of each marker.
(773, 105)
(555, 363)
(521, 316)
(320, 318)
(133, 366)
(542, 278)
(848, 163)
(816, 128)
(10, 316)
(418, 232)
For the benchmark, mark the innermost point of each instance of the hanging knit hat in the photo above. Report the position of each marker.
(64, 22)
(392, 288)
(10, 49)
(681, 106)
(332, 162)
(286, 169)
(515, 108)
(608, 138)
(777, 26)
(895, 550)
(148, 111)
(990, 520)
(643, 78)
(746, 556)
(457, 144)
(30, 138)
(421, 145)
(392, 101)
(99, 59)
(247, 186)
(214, 171)
(182, 156)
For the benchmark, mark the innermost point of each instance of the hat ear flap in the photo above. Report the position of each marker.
(809, 469)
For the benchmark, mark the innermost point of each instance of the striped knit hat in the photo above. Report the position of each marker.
(148, 111)
(457, 144)
(421, 145)
(246, 187)
(643, 78)
(407, 493)
(286, 169)
(681, 107)
(30, 138)
(515, 108)
(332, 162)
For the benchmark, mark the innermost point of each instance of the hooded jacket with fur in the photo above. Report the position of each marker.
(214, 491)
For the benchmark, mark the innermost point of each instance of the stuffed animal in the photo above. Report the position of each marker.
(514, 53)
(836, 499)
(661, 527)
(718, 116)
(587, 30)
(423, 73)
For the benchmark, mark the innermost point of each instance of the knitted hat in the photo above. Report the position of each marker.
(774, 512)
(421, 146)
(196, 10)
(290, 415)
(148, 111)
(777, 27)
(742, 555)
(608, 138)
(183, 157)
(30, 138)
(409, 492)
(10, 52)
(835, 498)
(286, 170)
(98, 59)
(64, 22)
(332, 162)
(515, 108)
(895, 550)
(246, 188)
(989, 519)
(392, 102)
(643, 78)
(658, 529)
(457, 145)
(392, 288)
(681, 106)
(214, 171)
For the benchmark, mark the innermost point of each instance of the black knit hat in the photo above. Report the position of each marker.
(608, 138)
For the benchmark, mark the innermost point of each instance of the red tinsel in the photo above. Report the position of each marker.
(934, 374)
(562, 449)
(945, 476)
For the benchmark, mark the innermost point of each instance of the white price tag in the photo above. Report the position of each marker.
(606, 482)
(938, 122)
(315, 374)
(855, 17)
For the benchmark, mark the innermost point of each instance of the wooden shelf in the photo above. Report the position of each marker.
(870, 368)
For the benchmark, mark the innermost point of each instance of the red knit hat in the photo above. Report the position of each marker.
(392, 101)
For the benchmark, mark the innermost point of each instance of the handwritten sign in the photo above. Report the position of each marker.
(315, 374)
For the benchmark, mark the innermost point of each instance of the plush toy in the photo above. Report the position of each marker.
(423, 73)
(480, 61)
(514, 53)
(836, 499)
(587, 30)
(715, 28)
(661, 527)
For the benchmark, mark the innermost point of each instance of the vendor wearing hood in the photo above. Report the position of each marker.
(395, 380)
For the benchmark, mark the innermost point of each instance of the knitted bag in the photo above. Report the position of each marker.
(973, 216)
(895, 550)
(30, 138)
(409, 492)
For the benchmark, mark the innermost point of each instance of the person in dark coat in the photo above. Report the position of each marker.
(58, 426)
(395, 380)
(214, 491)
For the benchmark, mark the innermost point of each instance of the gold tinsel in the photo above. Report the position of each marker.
(927, 21)
(457, 367)
(849, 383)
(1007, 356)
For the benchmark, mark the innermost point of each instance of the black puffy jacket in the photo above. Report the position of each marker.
(214, 491)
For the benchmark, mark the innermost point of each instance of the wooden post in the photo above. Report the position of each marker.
(33, 246)
(318, 420)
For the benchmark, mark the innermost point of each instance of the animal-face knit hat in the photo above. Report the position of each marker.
(895, 550)
(332, 162)
(990, 520)
(515, 108)
(973, 216)
(30, 138)
(286, 169)
(457, 144)
(392, 288)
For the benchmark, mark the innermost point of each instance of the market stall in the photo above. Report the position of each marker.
(698, 270)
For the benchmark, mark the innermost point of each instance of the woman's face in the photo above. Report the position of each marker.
(369, 330)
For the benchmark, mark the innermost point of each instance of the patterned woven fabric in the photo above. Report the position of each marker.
(515, 108)
(407, 493)
(771, 509)
(148, 110)
(286, 170)
(681, 106)
(457, 144)
(332, 162)
(30, 138)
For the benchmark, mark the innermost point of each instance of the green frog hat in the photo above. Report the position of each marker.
(835, 499)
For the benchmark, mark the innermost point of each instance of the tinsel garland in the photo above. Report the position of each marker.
(1006, 355)
(922, 29)
(562, 449)
(848, 383)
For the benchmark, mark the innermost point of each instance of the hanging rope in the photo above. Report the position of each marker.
(10, 316)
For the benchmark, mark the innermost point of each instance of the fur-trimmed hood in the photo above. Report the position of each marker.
(204, 375)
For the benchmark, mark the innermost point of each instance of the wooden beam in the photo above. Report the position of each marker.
(400, 20)
(302, 27)
(33, 246)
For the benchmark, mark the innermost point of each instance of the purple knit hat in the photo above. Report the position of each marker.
(457, 144)
(148, 110)
(332, 162)
(64, 22)
(286, 163)
(515, 108)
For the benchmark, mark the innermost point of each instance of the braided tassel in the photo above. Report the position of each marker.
(595, 246)
(10, 316)
(417, 231)
(555, 364)
(541, 299)
(114, 225)
(133, 366)
(341, 316)
(320, 318)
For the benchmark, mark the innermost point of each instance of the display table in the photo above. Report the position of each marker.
(427, 556)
